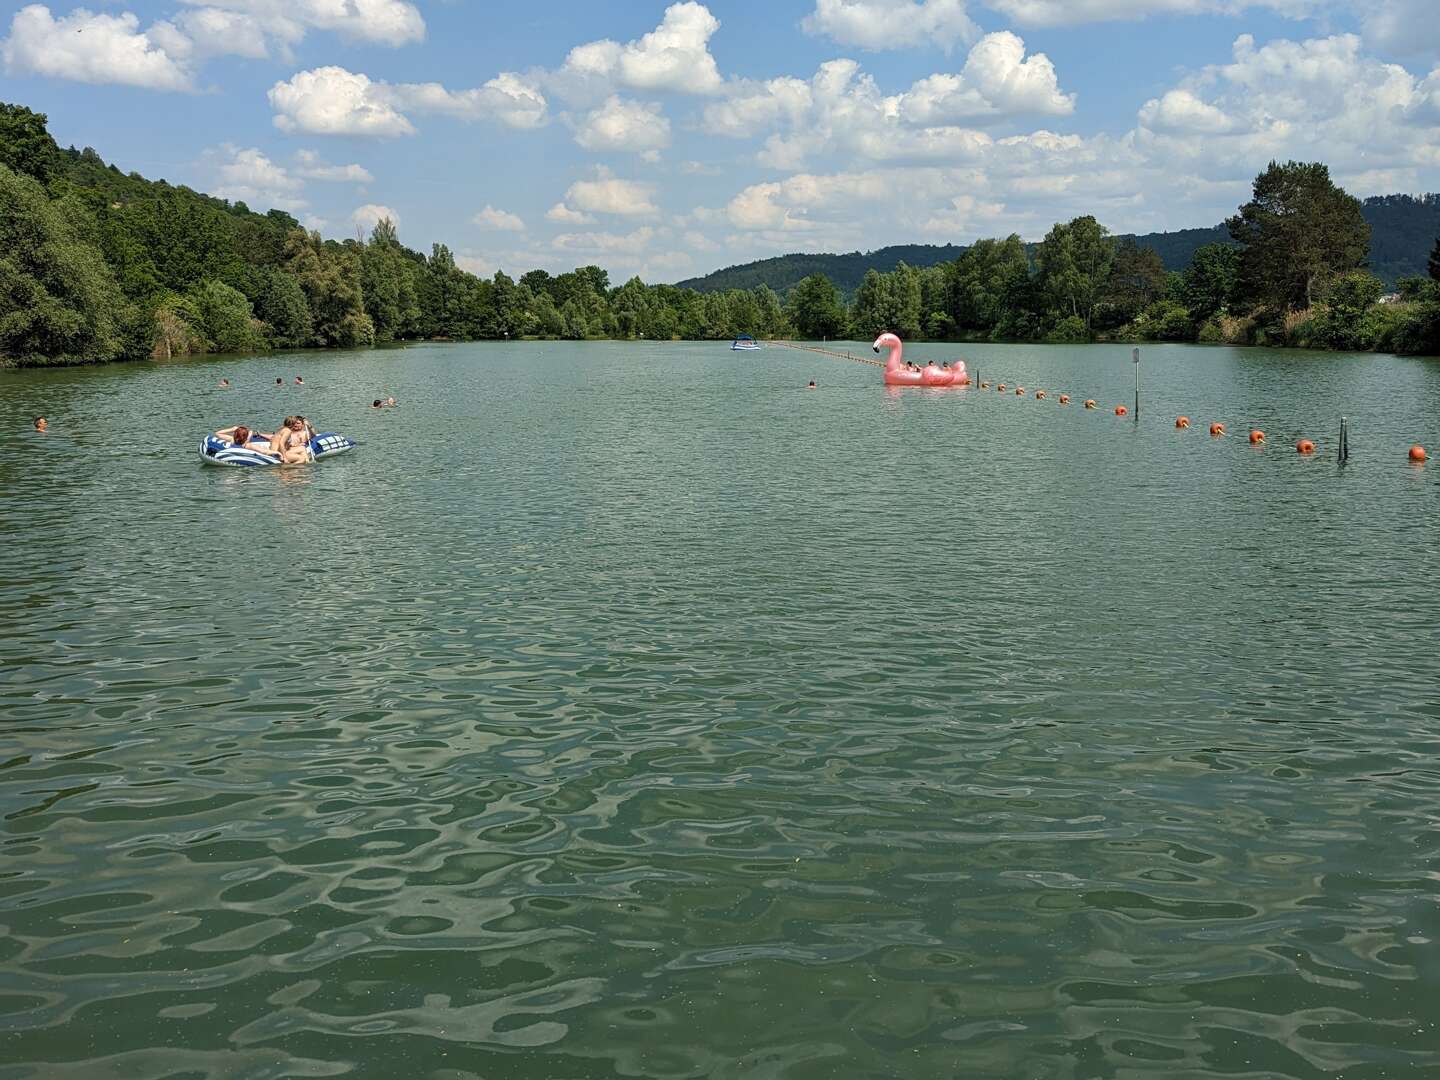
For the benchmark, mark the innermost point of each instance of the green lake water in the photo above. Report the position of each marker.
(628, 710)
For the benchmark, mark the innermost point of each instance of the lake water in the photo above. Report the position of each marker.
(628, 710)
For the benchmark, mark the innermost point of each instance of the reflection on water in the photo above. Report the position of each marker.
(579, 725)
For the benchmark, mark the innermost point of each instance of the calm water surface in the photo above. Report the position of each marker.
(631, 711)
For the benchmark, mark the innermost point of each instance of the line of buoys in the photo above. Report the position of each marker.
(1304, 447)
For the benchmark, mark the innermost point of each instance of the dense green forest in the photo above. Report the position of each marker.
(97, 265)
(1401, 229)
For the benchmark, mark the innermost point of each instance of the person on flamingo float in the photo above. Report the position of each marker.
(900, 373)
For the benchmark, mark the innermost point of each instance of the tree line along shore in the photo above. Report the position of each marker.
(99, 266)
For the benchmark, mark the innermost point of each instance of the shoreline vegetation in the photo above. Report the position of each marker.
(99, 266)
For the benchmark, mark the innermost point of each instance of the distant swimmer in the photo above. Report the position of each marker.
(391, 402)
(224, 384)
(279, 382)
(811, 386)
(41, 424)
(377, 404)
(299, 381)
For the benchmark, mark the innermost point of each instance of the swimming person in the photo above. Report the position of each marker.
(279, 382)
(224, 384)
(299, 381)
(41, 424)
(811, 386)
(377, 404)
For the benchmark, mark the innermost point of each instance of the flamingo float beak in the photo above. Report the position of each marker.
(875, 348)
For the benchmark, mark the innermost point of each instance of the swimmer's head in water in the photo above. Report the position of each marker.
(376, 403)
(41, 423)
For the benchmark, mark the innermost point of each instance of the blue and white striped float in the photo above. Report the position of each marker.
(216, 451)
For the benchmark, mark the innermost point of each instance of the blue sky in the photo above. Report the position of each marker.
(669, 140)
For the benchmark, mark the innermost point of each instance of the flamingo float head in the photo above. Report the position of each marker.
(886, 341)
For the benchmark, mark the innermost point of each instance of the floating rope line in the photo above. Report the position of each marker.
(826, 352)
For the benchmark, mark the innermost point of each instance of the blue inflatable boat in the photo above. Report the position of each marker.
(216, 451)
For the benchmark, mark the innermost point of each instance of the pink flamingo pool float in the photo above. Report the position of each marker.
(932, 374)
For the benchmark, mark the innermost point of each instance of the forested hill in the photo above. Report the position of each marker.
(847, 271)
(1402, 230)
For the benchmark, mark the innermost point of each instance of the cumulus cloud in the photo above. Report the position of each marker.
(1322, 99)
(605, 242)
(285, 22)
(499, 220)
(673, 57)
(1075, 12)
(334, 101)
(1402, 27)
(842, 111)
(608, 195)
(1180, 112)
(997, 80)
(368, 216)
(563, 215)
(312, 167)
(90, 48)
(892, 24)
(618, 125)
(248, 176)
(99, 48)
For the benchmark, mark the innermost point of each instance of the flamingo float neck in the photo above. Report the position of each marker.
(897, 351)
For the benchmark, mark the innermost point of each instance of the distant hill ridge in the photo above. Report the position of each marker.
(1403, 229)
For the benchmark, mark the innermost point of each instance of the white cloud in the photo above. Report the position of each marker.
(285, 22)
(1074, 12)
(247, 175)
(314, 223)
(841, 111)
(563, 215)
(90, 48)
(311, 167)
(1180, 112)
(1322, 99)
(606, 242)
(674, 57)
(892, 24)
(509, 99)
(500, 220)
(997, 80)
(607, 195)
(210, 31)
(1403, 27)
(334, 101)
(369, 215)
(619, 125)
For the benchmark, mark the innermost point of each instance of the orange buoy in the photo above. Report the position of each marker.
(1417, 453)
(1182, 421)
(984, 386)
(1064, 399)
(1090, 403)
(1217, 429)
(1039, 395)
(1000, 388)
(1019, 391)
(1256, 438)
(1120, 410)
(1305, 446)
